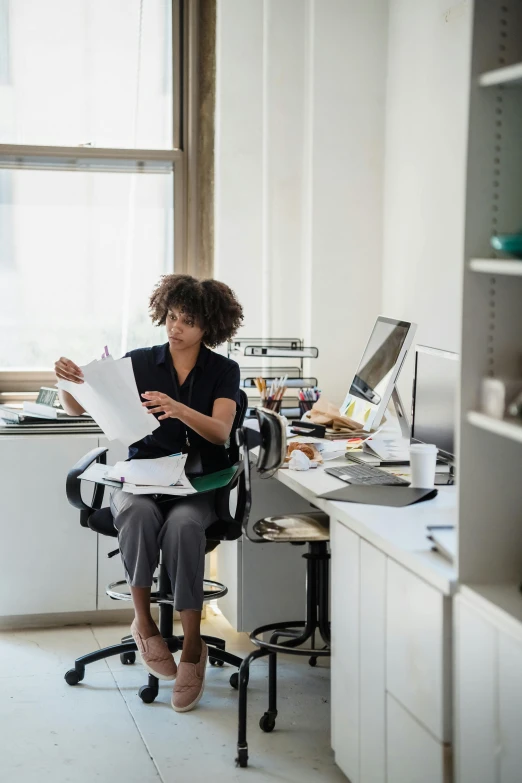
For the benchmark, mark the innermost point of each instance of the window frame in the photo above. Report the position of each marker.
(16, 384)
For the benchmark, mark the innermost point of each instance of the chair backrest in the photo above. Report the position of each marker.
(272, 449)
(241, 409)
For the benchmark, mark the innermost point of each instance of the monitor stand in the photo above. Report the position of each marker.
(401, 414)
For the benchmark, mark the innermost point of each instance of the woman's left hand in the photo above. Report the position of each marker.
(157, 402)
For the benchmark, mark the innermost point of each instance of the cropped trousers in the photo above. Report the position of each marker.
(177, 528)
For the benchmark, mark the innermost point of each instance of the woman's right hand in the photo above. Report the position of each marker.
(67, 370)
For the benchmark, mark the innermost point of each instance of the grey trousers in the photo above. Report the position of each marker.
(144, 527)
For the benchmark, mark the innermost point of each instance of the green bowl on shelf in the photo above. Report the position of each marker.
(508, 243)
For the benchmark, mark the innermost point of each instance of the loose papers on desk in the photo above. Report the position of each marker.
(387, 445)
(110, 395)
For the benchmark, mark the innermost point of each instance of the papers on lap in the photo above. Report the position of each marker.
(182, 487)
(162, 476)
(163, 472)
(110, 395)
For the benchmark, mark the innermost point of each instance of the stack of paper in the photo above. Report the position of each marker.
(182, 487)
(162, 476)
(163, 471)
(109, 393)
(165, 475)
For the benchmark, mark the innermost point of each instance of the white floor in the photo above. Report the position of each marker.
(100, 730)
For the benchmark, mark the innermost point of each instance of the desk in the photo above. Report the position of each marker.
(391, 635)
(398, 532)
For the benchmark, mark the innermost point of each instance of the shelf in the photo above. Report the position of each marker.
(280, 352)
(510, 76)
(504, 600)
(495, 266)
(507, 429)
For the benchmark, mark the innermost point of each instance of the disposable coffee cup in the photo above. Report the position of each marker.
(423, 461)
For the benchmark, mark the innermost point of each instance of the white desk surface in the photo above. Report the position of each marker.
(398, 532)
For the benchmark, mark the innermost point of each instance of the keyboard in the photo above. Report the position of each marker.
(366, 475)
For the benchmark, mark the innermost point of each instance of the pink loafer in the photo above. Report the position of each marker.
(155, 655)
(190, 683)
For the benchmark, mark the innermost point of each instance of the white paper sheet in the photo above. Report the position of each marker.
(109, 393)
(98, 474)
(183, 487)
(388, 445)
(162, 472)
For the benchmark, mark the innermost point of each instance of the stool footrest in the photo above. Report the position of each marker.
(292, 646)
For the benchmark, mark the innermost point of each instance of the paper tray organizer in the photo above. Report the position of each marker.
(258, 356)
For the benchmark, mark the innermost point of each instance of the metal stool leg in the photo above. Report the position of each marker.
(242, 746)
(268, 720)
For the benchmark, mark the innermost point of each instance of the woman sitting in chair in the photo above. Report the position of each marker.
(193, 392)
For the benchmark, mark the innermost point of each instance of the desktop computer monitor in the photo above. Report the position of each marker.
(374, 381)
(434, 407)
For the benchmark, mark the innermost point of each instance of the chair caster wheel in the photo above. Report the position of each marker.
(73, 677)
(267, 722)
(215, 662)
(147, 694)
(312, 661)
(128, 658)
(242, 757)
(234, 680)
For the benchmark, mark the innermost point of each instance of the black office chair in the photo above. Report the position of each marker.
(310, 528)
(227, 528)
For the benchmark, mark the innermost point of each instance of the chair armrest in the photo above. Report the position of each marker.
(73, 483)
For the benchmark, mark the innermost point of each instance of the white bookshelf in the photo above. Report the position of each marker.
(510, 76)
(488, 607)
(502, 427)
(494, 266)
(490, 451)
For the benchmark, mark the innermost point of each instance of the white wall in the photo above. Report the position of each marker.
(429, 52)
(299, 171)
(340, 167)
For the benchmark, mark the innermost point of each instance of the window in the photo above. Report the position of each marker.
(93, 176)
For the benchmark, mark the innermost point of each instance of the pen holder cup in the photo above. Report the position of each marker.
(272, 405)
(305, 406)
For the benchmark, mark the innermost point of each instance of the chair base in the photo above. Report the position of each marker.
(127, 648)
(127, 651)
(316, 622)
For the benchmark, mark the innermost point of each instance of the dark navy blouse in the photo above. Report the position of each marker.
(214, 376)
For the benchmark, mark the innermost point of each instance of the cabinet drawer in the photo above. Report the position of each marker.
(413, 754)
(418, 649)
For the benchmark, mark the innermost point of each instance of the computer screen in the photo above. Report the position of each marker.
(434, 407)
(375, 377)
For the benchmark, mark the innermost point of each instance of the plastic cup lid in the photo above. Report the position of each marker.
(423, 447)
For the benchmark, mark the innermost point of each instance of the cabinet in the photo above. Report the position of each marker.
(266, 582)
(488, 698)
(47, 560)
(390, 668)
